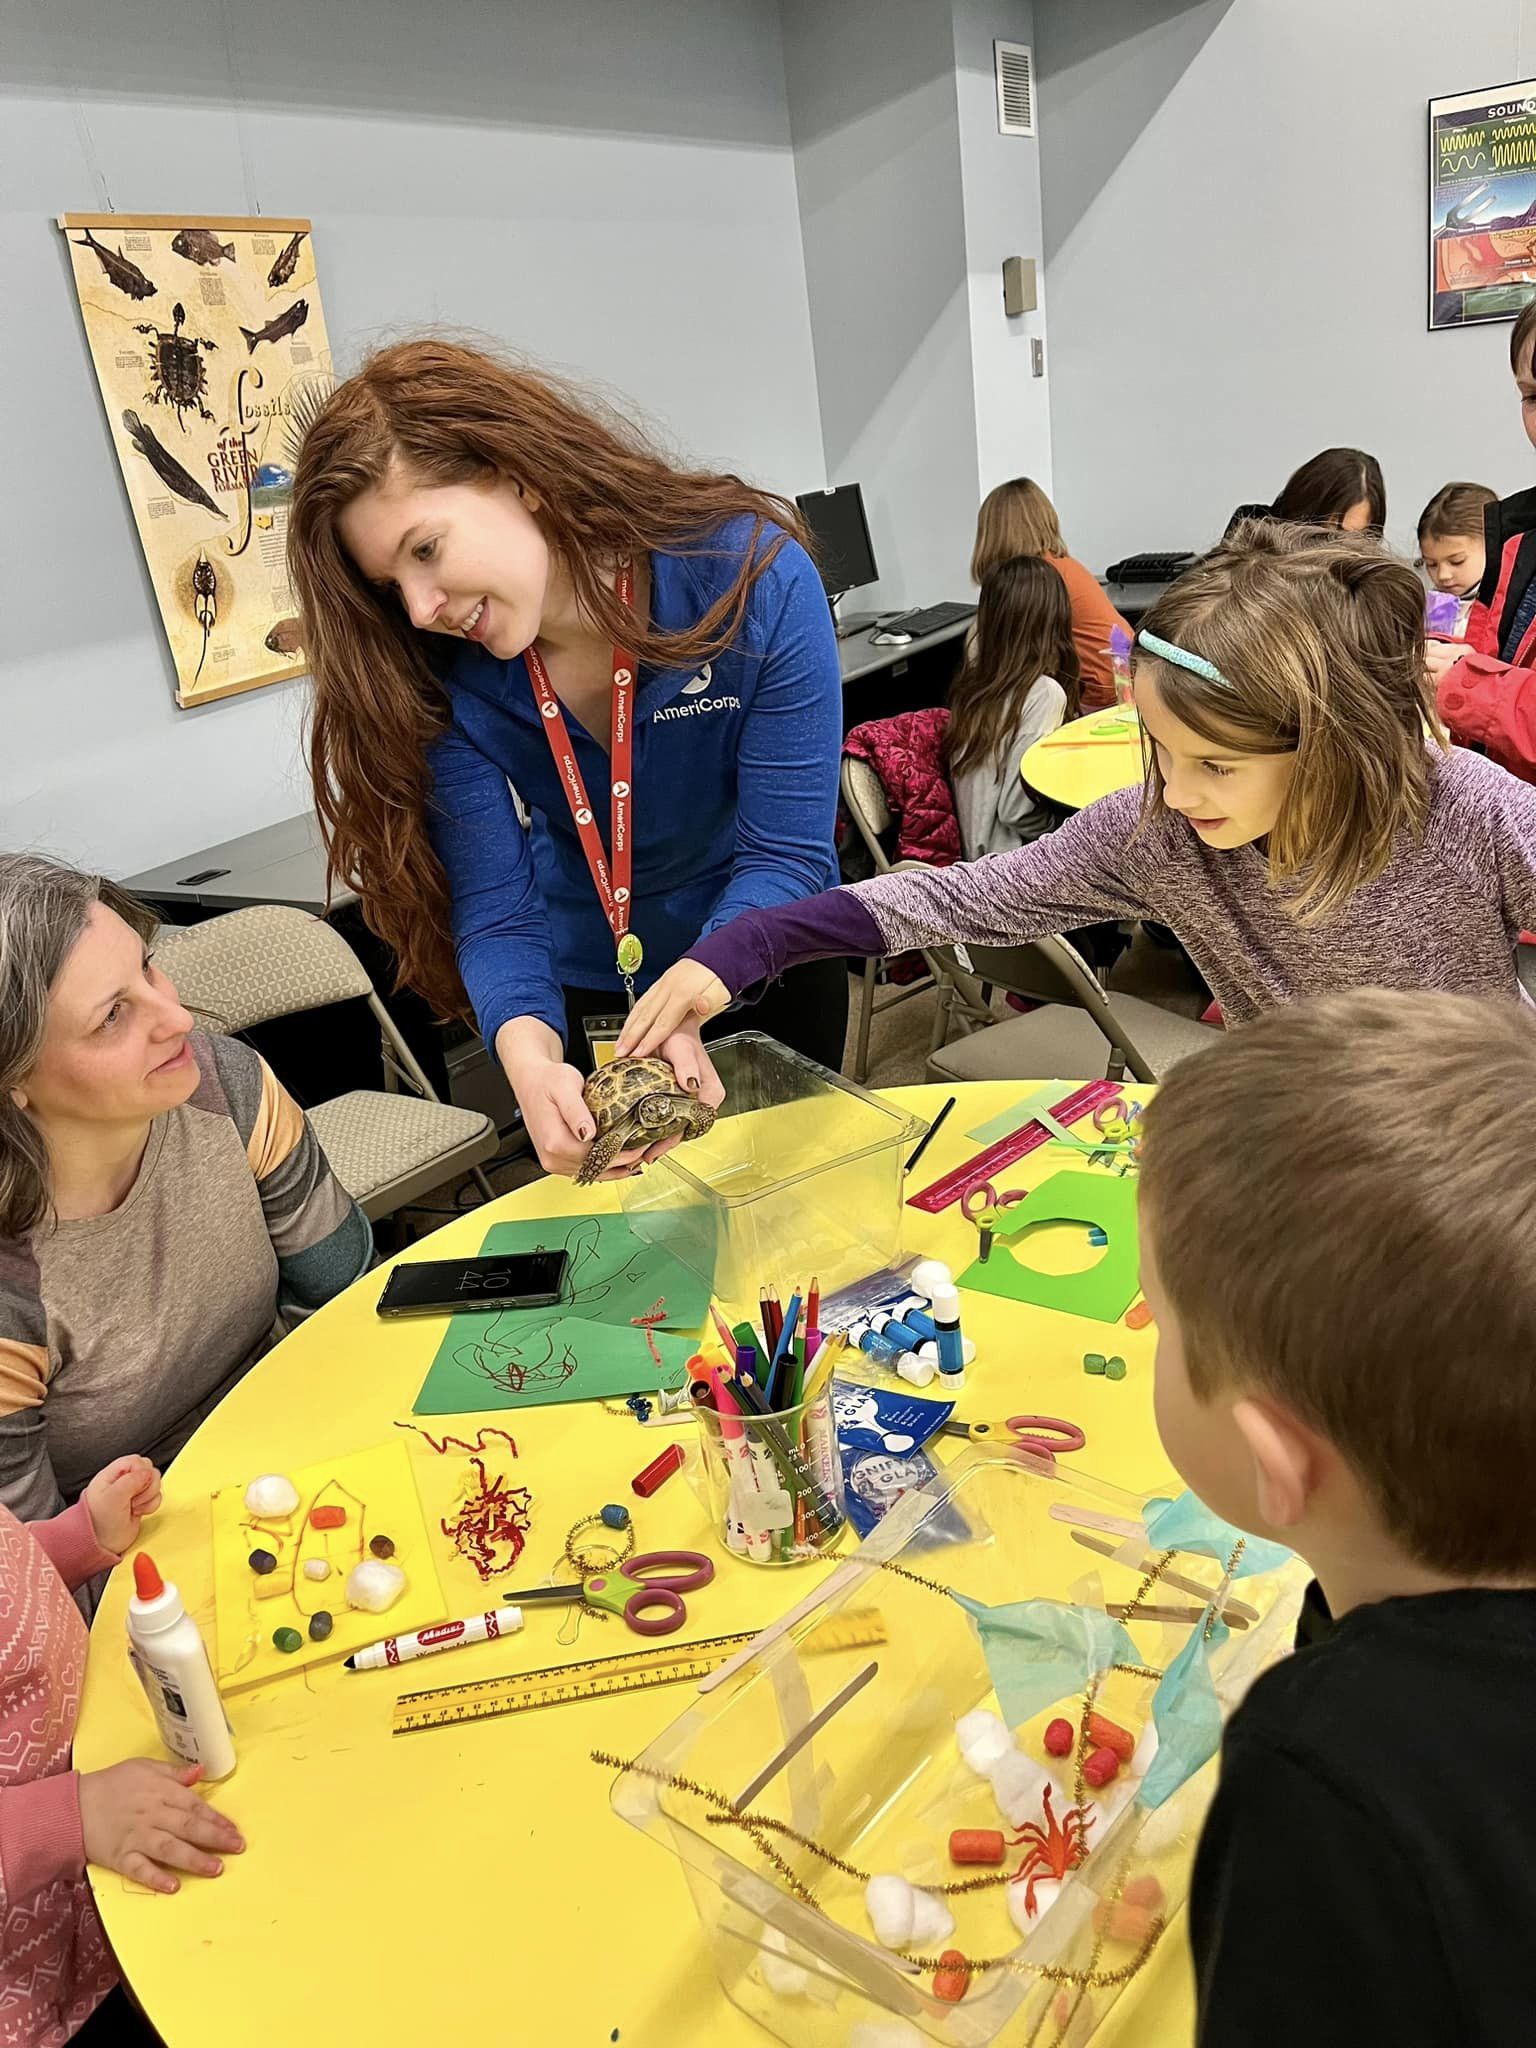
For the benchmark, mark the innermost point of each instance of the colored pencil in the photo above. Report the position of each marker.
(812, 1303)
(723, 1330)
(927, 1138)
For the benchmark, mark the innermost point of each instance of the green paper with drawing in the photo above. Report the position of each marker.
(591, 1345)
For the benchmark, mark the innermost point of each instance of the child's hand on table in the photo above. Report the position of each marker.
(119, 1498)
(678, 1002)
(139, 1816)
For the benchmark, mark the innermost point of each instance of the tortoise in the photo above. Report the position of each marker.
(637, 1102)
(180, 377)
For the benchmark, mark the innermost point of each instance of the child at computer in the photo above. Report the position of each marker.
(1335, 1209)
(1019, 680)
(140, 1817)
(1303, 827)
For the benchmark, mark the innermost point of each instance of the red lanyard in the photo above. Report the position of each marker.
(613, 887)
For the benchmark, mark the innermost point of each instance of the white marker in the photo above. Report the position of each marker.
(447, 1635)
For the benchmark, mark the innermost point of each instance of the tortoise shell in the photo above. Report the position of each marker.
(637, 1102)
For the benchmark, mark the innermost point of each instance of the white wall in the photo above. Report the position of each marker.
(1000, 181)
(609, 187)
(1234, 196)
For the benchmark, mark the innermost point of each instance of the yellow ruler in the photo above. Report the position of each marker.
(661, 1664)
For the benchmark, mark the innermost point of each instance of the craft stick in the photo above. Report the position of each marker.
(802, 1736)
(835, 1583)
(1095, 1518)
(1119, 1609)
(1169, 1578)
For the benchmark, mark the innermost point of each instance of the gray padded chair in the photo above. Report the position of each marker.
(275, 961)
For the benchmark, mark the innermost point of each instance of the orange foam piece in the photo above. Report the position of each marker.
(327, 1518)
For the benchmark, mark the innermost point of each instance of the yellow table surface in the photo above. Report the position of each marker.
(445, 1884)
(1086, 759)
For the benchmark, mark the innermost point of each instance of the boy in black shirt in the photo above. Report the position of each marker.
(1338, 1209)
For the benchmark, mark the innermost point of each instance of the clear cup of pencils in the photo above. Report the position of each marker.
(773, 1476)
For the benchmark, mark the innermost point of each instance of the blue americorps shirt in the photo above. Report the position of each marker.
(735, 787)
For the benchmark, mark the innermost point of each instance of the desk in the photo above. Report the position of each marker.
(282, 863)
(1084, 760)
(881, 682)
(859, 657)
(478, 1876)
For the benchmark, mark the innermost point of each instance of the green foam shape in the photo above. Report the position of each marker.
(1106, 1290)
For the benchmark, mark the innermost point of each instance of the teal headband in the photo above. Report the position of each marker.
(1195, 663)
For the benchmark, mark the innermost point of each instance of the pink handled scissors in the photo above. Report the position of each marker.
(1047, 1436)
(650, 1605)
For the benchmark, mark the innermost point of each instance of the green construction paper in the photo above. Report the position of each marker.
(1017, 1115)
(585, 1348)
(1106, 1290)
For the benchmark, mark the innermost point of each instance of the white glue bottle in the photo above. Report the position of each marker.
(167, 1652)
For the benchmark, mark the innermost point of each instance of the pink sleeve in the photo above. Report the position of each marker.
(1492, 704)
(71, 1547)
(40, 1836)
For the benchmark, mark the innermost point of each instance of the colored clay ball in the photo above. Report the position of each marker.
(320, 1626)
(316, 1568)
(382, 1546)
(615, 1517)
(1099, 1766)
(287, 1640)
(374, 1585)
(1095, 1362)
(261, 1562)
(271, 1497)
(1059, 1738)
(1114, 1369)
(327, 1518)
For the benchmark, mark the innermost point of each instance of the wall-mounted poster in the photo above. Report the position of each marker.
(208, 339)
(1482, 205)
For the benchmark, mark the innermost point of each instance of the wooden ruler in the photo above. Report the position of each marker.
(1028, 1138)
(445, 1706)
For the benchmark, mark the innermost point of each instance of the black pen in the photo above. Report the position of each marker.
(926, 1139)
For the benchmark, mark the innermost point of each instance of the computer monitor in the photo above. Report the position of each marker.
(841, 533)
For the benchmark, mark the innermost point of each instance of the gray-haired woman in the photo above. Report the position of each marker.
(159, 1190)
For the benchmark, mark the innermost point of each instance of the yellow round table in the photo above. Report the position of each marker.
(472, 1883)
(1089, 758)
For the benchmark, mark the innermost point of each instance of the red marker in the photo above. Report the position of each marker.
(658, 1472)
(443, 1635)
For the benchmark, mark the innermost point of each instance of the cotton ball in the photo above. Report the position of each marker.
(783, 1977)
(984, 1740)
(905, 1917)
(316, 1568)
(271, 1497)
(1046, 1890)
(1017, 1783)
(374, 1585)
(928, 1275)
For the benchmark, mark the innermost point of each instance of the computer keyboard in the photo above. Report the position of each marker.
(1159, 568)
(932, 619)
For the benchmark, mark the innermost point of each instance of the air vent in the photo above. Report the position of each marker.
(1015, 64)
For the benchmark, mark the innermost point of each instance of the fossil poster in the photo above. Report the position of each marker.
(208, 341)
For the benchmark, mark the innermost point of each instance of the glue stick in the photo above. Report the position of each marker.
(946, 1319)
(167, 1652)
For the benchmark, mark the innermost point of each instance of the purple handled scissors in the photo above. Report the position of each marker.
(650, 1605)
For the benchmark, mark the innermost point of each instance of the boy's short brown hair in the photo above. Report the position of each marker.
(1341, 1201)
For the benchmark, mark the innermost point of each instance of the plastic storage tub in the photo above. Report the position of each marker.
(881, 1784)
(799, 1178)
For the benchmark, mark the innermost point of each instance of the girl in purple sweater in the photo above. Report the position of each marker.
(1305, 825)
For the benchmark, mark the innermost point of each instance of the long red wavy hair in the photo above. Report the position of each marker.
(450, 414)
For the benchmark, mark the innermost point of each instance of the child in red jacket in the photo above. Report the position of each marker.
(1487, 689)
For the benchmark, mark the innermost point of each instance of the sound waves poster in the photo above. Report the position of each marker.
(1482, 205)
(208, 341)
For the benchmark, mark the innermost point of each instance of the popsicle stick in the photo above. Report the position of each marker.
(1095, 1518)
(837, 1581)
(1176, 1580)
(802, 1736)
(1121, 1608)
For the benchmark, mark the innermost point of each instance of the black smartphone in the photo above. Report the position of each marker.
(440, 1287)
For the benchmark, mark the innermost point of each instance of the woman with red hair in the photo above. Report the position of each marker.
(575, 707)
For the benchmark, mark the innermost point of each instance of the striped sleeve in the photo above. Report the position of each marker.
(27, 1485)
(322, 1239)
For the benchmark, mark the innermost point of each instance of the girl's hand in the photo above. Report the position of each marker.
(686, 996)
(549, 1093)
(1440, 657)
(139, 1816)
(118, 1500)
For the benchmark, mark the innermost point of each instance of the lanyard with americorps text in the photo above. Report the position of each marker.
(613, 887)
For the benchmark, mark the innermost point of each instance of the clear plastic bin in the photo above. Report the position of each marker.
(881, 1783)
(799, 1178)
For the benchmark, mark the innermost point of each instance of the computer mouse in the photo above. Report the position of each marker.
(889, 639)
